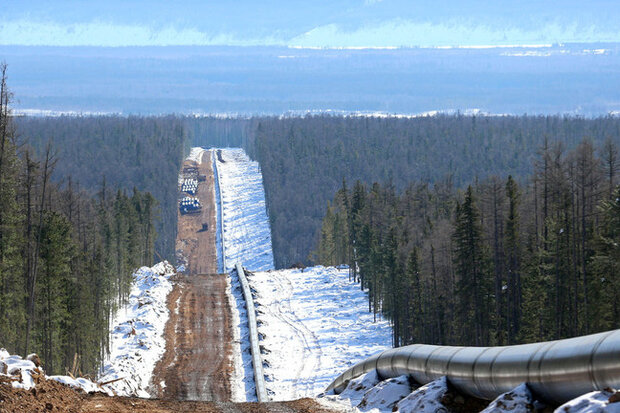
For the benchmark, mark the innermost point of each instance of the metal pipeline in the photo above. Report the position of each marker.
(556, 371)
(257, 361)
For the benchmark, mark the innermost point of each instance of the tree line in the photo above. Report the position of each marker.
(126, 151)
(66, 253)
(501, 262)
(303, 159)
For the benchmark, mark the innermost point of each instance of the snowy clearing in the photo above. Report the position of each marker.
(246, 231)
(313, 324)
(137, 336)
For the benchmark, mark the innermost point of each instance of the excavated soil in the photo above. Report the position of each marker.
(51, 396)
(197, 362)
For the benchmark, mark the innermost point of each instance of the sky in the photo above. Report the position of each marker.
(335, 23)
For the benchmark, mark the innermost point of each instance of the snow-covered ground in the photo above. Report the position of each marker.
(195, 154)
(242, 381)
(23, 370)
(367, 393)
(246, 231)
(137, 336)
(313, 325)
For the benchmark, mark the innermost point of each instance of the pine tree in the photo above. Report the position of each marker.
(472, 273)
(513, 254)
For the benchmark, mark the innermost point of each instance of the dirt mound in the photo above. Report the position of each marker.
(51, 396)
(47, 396)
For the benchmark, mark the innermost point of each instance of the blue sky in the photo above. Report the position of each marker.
(337, 23)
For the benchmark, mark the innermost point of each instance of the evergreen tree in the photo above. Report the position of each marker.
(472, 272)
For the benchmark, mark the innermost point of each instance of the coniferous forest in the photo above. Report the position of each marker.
(66, 252)
(479, 230)
(117, 152)
(304, 160)
(505, 260)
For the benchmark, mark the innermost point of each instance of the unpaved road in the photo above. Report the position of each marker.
(197, 361)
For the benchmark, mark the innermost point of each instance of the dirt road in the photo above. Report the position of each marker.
(194, 373)
(197, 361)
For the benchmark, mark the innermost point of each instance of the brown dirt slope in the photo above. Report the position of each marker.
(51, 396)
(197, 361)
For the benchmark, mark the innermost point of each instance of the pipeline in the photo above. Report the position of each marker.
(220, 224)
(257, 362)
(556, 371)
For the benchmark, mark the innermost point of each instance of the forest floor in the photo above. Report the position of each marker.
(197, 363)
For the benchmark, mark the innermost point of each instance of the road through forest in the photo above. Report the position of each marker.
(197, 361)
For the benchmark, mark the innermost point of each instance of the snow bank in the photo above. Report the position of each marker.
(137, 337)
(355, 390)
(24, 369)
(242, 380)
(426, 399)
(594, 402)
(247, 235)
(367, 394)
(386, 394)
(313, 324)
(195, 154)
(518, 400)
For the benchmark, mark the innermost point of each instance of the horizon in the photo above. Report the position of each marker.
(339, 24)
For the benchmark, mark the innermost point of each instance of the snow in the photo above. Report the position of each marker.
(195, 154)
(137, 336)
(246, 231)
(24, 368)
(426, 399)
(367, 394)
(386, 394)
(594, 402)
(313, 324)
(356, 388)
(518, 400)
(242, 380)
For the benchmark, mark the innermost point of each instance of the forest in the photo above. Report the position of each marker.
(463, 229)
(117, 152)
(304, 159)
(500, 261)
(66, 253)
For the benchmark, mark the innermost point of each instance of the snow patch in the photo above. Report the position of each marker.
(386, 394)
(518, 400)
(313, 324)
(594, 402)
(23, 369)
(195, 154)
(355, 390)
(137, 337)
(426, 399)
